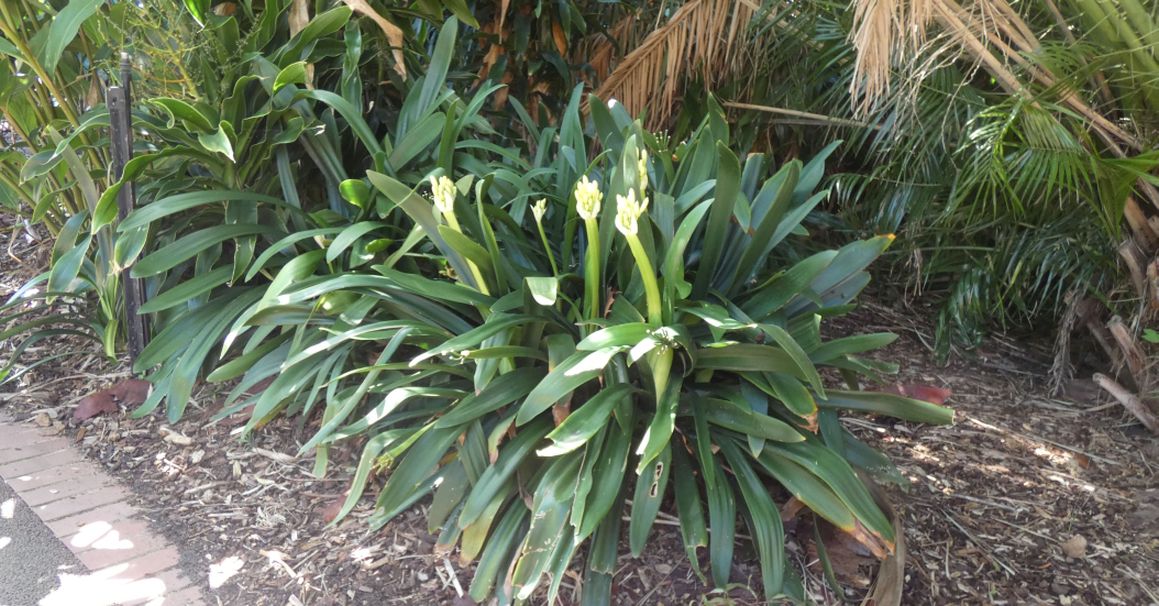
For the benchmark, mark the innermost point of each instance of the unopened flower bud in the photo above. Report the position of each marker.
(444, 192)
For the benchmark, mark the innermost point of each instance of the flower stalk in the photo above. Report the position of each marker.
(444, 192)
(539, 210)
(587, 203)
(628, 212)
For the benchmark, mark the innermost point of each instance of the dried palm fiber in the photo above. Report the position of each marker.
(883, 30)
(703, 36)
(600, 50)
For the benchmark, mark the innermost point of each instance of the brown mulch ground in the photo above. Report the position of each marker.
(1027, 499)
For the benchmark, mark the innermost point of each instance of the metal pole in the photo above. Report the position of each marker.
(120, 105)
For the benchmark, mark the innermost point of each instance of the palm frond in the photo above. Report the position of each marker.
(702, 37)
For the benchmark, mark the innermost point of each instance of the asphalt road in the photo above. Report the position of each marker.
(31, 557)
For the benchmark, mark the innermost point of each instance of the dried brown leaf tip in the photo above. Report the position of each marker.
(917, 391)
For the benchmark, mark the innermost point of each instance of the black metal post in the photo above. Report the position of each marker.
(120, 105)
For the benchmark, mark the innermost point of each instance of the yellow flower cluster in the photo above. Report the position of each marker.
(628, 212)
(587, 199)
(539, 209)
(444, 192)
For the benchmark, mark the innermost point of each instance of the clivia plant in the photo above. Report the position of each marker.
(546, 355)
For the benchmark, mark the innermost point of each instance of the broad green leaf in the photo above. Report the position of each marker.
(781, 288)
(349, 236)
(497, 555)
(549, 511)
(356, 192)
(621, 335)
(716, 232)
(494, 325)
(505, 389)
(63, 30)
(795, 351)
(737, 416)
(764, 519)
(557, 385)
(851, 345)
(693, 530)
(510, 458)
(413, 475)
(585, 421)
(179, 202)
(217, 142)
(673, 266)
(66, 267)
(441, 290)
(721, 521)
(544, 290)
(889, 405)
(193, 244)
(186, 112)
(190, 289)
(294, 73)
(650, 490)
(746, 357)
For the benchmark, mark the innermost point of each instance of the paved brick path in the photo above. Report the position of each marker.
(128, 564)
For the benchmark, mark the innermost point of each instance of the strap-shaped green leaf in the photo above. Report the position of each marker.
(889, 405)
(585, 421)
(763, 517)
(505, 389)
(492, 480)
(651, 486)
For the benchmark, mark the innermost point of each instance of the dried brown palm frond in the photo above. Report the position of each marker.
(882, 30)
(703, 36)
(599, 51)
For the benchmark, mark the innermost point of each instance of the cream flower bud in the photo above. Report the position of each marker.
(444, 192)
(642, 170)
(587, 199)
(539, 209)
(628, 212)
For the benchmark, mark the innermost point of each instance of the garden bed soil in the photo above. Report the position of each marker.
(1026, 499)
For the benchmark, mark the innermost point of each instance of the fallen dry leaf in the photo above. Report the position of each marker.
(1075, 547)
(332, 509)
(101, 402)
(174, 437)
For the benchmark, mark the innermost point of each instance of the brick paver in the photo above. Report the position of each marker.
(33, 464)
(128, 563)
(26, 438)
(43, 495)
(52, 476)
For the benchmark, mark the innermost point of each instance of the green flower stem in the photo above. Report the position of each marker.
(651, 285)
(592, 268)
(547, 248)
(453, 223)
